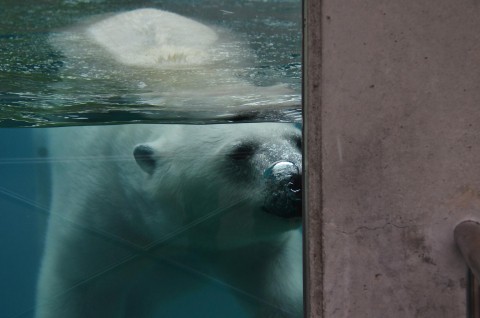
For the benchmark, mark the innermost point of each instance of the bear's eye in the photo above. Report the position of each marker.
(243, 151)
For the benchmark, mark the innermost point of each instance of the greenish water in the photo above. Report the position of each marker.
(43, 85)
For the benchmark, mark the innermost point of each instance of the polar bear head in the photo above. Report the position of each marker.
(251, 172)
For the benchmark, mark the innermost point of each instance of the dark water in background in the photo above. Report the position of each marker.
(22, 223)
(30, 73)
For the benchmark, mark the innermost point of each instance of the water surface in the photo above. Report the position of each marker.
(45, 80)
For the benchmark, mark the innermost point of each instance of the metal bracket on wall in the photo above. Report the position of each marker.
(467, 237)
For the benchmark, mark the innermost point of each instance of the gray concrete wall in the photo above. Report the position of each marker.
(400, 155)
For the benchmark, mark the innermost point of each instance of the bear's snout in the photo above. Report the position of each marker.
(283, 195)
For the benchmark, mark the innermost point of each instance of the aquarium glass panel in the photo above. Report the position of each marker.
(151, 159)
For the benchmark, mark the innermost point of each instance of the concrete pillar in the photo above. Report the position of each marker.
(400, 155)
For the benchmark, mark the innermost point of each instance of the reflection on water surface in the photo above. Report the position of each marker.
(51, 75)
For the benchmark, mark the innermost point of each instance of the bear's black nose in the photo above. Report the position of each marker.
(283, 195)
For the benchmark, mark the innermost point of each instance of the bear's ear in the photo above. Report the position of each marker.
(145, 157)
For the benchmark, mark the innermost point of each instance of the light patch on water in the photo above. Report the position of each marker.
(154, 38)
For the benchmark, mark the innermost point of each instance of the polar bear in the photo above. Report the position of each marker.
(142, 215)
(137, 210)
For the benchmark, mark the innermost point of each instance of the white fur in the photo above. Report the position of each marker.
(118, 235)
